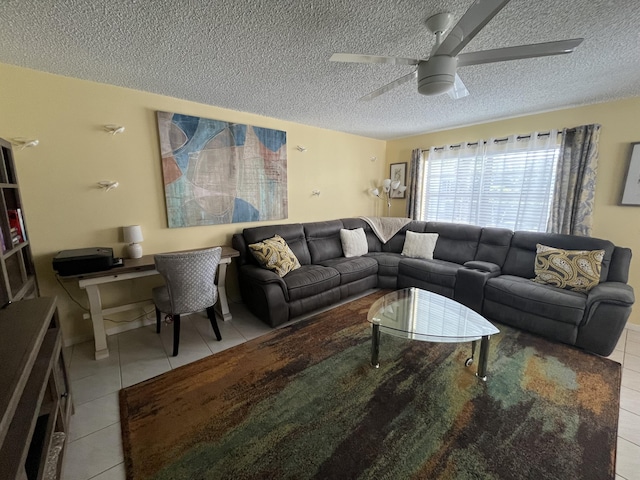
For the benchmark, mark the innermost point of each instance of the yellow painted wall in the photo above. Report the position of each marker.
(619, 120)
(65, 209)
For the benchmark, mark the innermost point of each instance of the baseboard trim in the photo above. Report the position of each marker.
(633, 326)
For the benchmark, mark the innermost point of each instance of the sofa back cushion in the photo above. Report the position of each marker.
(323, 240)
(396, 243)
(292, 233)
(457, 242)
(373, 242)
(494, 245)
(521, 257)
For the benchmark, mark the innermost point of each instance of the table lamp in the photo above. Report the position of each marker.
(133, 235)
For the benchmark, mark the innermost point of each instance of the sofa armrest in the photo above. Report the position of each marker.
(611, 292)
(262, 275)
(470, 282)
(264, 293)
(483, 266)
(607, 310)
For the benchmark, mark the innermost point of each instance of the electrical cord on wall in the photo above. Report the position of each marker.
(86, 309)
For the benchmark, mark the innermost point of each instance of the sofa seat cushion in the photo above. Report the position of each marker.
(436, 272)
(309, 280)
(352, 268)
(537, 299)
(387, 263)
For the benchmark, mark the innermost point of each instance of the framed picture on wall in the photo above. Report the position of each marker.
(631, 192)
(398, 172)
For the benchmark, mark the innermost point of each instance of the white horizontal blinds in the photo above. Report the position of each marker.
(504, 183)
(451, 182)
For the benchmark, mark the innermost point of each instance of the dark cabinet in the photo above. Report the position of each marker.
(35, 399)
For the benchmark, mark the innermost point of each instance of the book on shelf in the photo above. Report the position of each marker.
(22, 229)
(15, 237)
(17, 222)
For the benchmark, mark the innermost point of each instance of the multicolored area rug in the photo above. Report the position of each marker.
(303, 402)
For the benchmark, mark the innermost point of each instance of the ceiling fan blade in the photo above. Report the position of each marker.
(389, 86)
(515, 53)
(458, 90)
(474, 19)
(353, 58)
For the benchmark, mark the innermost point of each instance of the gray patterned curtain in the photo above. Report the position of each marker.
(414, 189)
(574, 192)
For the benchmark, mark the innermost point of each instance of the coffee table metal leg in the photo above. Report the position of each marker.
(482, 361)
(375, 345)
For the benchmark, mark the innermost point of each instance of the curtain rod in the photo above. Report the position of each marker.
(498, 140)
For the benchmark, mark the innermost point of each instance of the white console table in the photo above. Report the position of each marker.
(136, 268)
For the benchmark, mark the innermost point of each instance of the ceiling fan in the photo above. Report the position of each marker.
(437, 74)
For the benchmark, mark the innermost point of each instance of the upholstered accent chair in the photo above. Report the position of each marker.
(189, 287)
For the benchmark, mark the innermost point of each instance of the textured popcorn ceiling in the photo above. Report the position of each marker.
(271, 57)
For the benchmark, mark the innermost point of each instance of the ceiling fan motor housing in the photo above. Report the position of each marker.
(436, 75)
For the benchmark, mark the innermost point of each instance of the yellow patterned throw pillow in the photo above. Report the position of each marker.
(274, 254)
(577, 270)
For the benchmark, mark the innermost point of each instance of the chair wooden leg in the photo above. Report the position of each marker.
(211, 313)
(176, 334)
(158, 320)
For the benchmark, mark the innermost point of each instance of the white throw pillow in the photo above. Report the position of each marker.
(419, 245)
(354, 242)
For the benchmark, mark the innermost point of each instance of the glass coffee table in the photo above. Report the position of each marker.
(426, 316)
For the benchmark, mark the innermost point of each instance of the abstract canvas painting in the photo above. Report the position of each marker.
(218, 172)
(631, 192)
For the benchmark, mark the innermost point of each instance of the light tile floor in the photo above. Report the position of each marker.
(95, 452)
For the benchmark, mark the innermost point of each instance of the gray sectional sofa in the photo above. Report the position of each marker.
(488, 269)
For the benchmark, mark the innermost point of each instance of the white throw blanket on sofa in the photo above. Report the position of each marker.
(386, 227)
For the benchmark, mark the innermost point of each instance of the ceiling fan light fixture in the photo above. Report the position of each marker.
(435, 85)
(437, 75)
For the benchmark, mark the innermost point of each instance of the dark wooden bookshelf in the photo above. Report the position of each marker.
(35, 399)
(18, 279)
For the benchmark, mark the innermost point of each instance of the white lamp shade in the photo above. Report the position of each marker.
(132, 234)
(375, 192)
(395, 184)
(386, 183)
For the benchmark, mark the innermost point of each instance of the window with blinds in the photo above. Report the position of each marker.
(511, 189)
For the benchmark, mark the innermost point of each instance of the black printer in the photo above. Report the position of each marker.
(85, 260)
